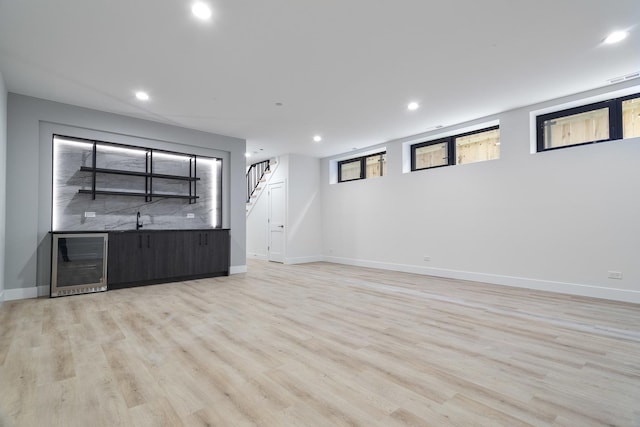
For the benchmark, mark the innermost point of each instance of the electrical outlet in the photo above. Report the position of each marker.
(615, 274)
(427, 258)
(190, 215)
(89, 214)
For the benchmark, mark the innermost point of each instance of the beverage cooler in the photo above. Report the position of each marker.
(78, 263)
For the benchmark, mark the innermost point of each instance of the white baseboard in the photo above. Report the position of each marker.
(1, 296)
(237, 269)
(304, 260)
(24, 293)
(497, 279)
(20, 293)
(261, 257)
(296, 260)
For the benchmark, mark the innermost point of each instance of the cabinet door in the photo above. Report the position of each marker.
(170, 255)
(199, 265)
(129, 259)
(218, 251)
(146, 260)
(192, 243)
(120, 252)
(213, 252)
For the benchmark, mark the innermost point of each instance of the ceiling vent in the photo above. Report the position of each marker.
(631, 76)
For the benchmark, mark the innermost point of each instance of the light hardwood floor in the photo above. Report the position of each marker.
(320, 345)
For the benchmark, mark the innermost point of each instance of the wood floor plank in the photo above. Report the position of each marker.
(320, 345)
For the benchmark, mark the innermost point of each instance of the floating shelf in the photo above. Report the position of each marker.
(142, 174)
(138, 194)
(148, 176)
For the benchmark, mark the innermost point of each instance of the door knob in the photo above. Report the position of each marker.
(281, 226)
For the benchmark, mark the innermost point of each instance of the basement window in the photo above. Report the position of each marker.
(430, 154)
(631, 117)
(362, 167)
(598, 122)
(470, 147)
(478, 146)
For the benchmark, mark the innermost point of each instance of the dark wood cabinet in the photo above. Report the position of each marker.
(129, 258)
(206, 257)
(147, 257)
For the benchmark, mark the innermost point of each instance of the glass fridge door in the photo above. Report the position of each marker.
(79, 263)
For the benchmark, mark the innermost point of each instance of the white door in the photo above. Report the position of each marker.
(276, 221)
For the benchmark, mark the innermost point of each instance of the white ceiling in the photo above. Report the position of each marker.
(344, 69)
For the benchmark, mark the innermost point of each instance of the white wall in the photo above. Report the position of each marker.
(304, 210)
(557, 220)
(30, 124)
(303, 223)
(3, 179)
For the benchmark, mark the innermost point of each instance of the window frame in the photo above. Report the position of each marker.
(451, 147)
(414, 147)
(342, 162)
(363, 166)
(619, 122)
(615, 121)
(610, 104)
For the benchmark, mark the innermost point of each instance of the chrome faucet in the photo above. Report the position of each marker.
(138, 222)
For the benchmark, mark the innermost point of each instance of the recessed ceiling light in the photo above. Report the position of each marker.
(317, 138)
(247, 154)
(413, 106)
(201, 10)
(616, 37)
(142, 96)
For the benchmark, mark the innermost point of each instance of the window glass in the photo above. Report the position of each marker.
(350, 170)
(429, 156)
(375, 165)
(631, 118)
(478, 147)
(575, 129)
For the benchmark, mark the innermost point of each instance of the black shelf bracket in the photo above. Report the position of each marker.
(93, 180)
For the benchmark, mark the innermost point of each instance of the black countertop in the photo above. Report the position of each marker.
(142, 230)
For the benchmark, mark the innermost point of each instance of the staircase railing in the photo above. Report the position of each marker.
(254, 175)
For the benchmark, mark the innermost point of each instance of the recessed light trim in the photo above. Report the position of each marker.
(616, 36)
(142, 95)
(317, 138)
(413, 106)
(201, 10)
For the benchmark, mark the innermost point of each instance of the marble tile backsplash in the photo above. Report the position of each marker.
(73, 211)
